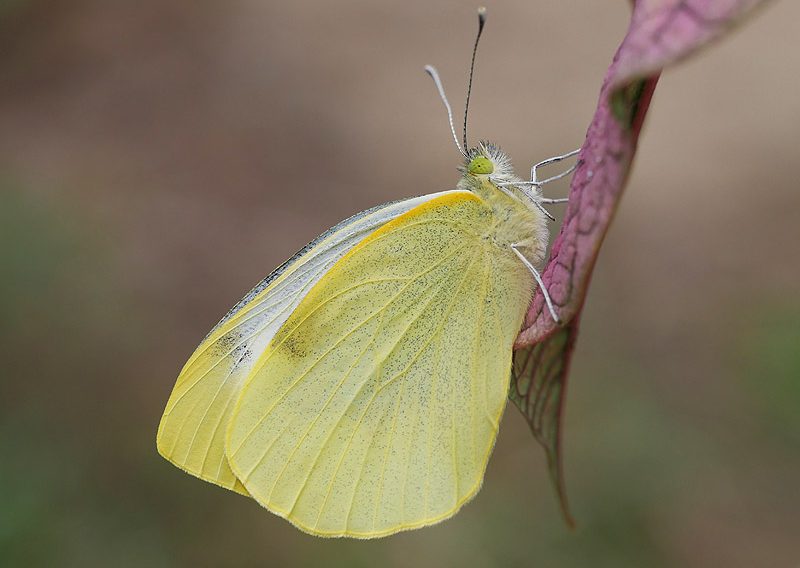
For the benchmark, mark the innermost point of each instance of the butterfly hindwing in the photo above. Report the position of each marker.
(375, 406)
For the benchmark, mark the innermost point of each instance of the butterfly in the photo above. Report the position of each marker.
(358, 389)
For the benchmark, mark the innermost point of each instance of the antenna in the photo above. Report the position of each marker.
(431, 70)
(481, 23)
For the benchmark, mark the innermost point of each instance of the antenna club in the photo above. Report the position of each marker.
(481, 16)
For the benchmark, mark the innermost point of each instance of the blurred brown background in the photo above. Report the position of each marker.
(158, 158)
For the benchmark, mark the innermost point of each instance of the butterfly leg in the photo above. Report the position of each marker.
(532, 188)
(538, 204)
(538, 278)
(535, 182)
(547, 162)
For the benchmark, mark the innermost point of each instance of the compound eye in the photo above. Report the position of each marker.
(480, 166)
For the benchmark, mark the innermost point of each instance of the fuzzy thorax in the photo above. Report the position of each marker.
(518, 220)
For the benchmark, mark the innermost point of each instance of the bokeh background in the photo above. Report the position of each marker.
(158, 158)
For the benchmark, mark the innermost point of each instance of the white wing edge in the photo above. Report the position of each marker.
(308, 265)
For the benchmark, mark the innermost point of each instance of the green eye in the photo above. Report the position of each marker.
(481, 165)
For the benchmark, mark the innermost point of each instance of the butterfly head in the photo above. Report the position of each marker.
(486, 160)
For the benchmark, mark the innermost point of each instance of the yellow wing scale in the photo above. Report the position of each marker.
(375, 406)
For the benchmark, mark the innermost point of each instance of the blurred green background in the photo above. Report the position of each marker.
(158, 158)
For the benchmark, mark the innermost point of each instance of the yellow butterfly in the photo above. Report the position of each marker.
(357, 390)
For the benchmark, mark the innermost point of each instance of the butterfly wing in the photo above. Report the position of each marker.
(375, 407)
(192, 430)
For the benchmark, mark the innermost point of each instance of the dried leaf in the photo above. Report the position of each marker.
(538, 391)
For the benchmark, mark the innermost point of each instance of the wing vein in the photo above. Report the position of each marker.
(311, 427)
(386, 454)
(435, 385)
(375, 394)
(330, 485)
(208, 408)
(261, 363)
(474, 358)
